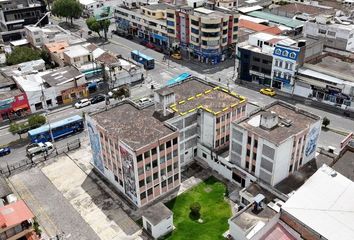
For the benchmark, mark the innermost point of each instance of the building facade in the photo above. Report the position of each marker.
(14, 15)
(273, 142)
(206, 35)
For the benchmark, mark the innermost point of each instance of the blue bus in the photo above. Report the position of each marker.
(179, 78)
(59, 129)
(148, 62)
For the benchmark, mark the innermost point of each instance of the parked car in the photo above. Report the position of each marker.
(82, 103)
(37, 148)
(142, 102)
(98, 98)
(268, 92)
(176, 56)
(150, 45)
(5, 151)
(129, 36)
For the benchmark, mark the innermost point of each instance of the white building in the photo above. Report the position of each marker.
(322, 208)
(273, 142)
(338, 35)
(158, 220)
(91, 5)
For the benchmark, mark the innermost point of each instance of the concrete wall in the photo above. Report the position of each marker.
(207, 125)
(282, 161)
(312, 141)
(162, 228)
(236, 232)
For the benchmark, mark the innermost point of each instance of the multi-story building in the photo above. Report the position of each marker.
(272, 143)
(204, 34)
(14, 15)
(286, 61)
(194, 114)
(334, 35)
(138, 153)
(147, 23)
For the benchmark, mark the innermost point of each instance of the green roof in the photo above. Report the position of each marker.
(288, 22)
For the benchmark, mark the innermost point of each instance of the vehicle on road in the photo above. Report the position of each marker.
(37, 148)
(98, 98)
(179, 78)
(150, 45)
(176, 56)
(57, 129)
(82, 103)
(5, 151)
(148, 62)
(268, 92)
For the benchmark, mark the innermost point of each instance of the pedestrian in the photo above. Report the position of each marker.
(219, 79)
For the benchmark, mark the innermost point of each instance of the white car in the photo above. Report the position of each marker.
(144, 101)
(82, 103)
(37, 148)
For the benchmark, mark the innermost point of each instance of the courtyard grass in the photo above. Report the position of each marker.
(215, 212)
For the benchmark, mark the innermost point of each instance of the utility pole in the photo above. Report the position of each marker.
(44, 103)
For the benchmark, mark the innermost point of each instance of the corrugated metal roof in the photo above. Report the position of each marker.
(277, 19)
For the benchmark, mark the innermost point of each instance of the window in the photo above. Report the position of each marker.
(249, 140)
(169, 156)
(169, 30)
(175, 153)
(278, 51)
(148, 179)
(170, 180)
(254, 157)
(227, 138)
(153, 151)
(223, 129)
(174, 141)
(143, 195)
(255, 68)
(169, 168)
(162, 147)
(139, 158)
(234, 37)
(255, 143)
(175, 177)
(155, 175)
(77, 59)
(292, 55)
(194, 22)
(115, 178)
(331, 33)
(141, 183)
(168, 144)
(175, 165)
(221, 141)
(170, 15)
(217, 143)
(140, 170)
(163, 172)
(38, 106)
(217, 120)
(236, 20)
(162, 159)
(154, 163)
(322, 31)
(285, 53)
(148, 167)
(235, 28)
(147, 154)
(195, 31)
(194, 39)
(149, 192)
(163, 184)
(290, 168)
(256, 59)
(170, 23)
(248, 152)
(204, 155)
(247, 165)
(253, 168)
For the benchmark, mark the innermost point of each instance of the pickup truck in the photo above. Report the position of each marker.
(37, 148)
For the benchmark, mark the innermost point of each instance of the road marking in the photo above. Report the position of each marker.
(40, 213)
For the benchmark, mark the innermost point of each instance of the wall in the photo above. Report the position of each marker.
(35, 97)
(312, 141)
(282, 161)
(207, 127)
(162, 228)
(302, 89)
(236, 232)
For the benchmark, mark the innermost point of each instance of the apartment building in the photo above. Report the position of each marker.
(15, 15)
(339, 35)
(147, 23)
(272, 143)
(203, 34)
(189, 119)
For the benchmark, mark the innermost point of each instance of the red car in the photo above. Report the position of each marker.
(150, 45)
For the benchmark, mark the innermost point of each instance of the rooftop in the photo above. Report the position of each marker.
(345, 164)
(76, 51)
(5, 81)
(257, 27)
(10, 94)
(296, 8)
(299, 120)
(288, 22)
(278, 232)
(62, 76)
(249, 219)
(205, 12)
(156, 213)
(192, 94)
(254, 189)
(159, 6)
(337, 65)
(5, 190)
(324, 204)
(14, 214)
(57, 47)
(136, 127)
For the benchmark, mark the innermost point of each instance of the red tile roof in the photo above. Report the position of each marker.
(258, 27)
(14, 213)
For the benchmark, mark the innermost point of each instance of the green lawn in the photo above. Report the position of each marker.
(215, 212)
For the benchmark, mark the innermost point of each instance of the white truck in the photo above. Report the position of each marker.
(37, 148)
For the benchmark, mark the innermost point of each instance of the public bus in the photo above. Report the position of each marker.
(58, 129)
(148, 62)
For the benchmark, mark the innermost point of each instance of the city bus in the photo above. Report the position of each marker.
(59, 129)
(148, 62)
(179, 78)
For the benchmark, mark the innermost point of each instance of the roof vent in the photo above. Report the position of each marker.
(269, 120)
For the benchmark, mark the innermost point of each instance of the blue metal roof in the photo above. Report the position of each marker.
(181, 77)
(59, 123)
(142, 55)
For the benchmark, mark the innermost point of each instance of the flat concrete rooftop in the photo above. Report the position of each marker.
(299, 121)
(337, 65)
(194, 93)
(345, 164)
(135, 127)
(248, 218)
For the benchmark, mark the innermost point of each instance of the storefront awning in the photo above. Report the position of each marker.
(23, 106)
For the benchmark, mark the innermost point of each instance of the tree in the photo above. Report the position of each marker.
(105, 26)
(36, 120)
(120, 93)
(93, 25)
(67, 8)
(195, 210)
(326, 122)
(22, 54)
(18, 128)
(37, 230)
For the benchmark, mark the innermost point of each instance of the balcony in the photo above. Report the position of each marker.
(18, 231)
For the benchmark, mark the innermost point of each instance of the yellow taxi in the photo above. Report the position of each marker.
(176, 56)
(268, 92)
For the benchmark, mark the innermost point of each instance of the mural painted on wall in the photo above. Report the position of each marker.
(95, 146)
(128, 173)
(312, 141)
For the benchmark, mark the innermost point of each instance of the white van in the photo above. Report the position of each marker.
(144, 101)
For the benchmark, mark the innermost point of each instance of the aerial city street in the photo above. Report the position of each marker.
(158, 119)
